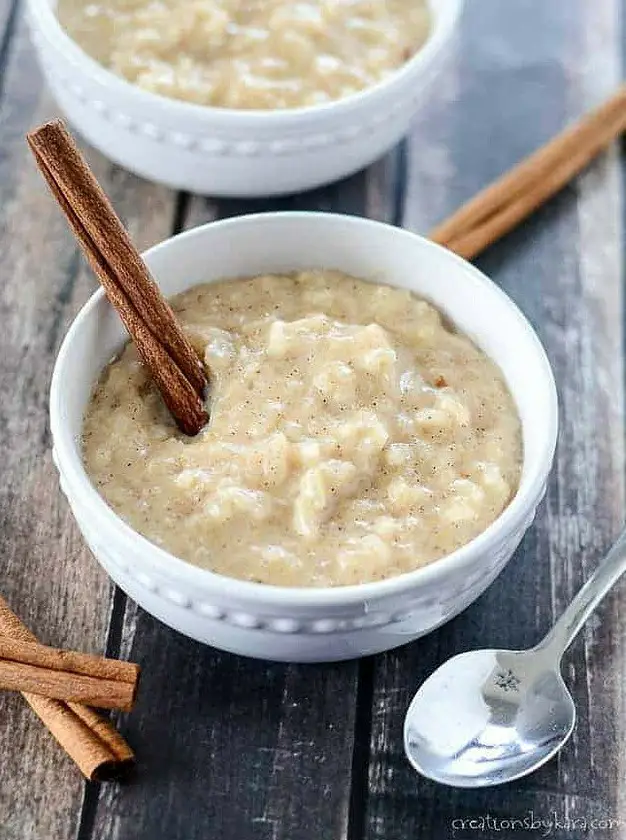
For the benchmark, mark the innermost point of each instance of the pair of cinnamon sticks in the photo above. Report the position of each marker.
(67, 675)
(61, 686)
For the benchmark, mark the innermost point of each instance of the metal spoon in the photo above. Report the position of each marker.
(490, 716)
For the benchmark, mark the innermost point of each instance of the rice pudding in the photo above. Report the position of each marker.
(354, 435)
(247, 53)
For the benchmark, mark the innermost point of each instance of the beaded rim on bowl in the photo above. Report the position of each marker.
(43, 16)
(512, 519)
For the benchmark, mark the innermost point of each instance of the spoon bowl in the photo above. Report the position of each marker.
(490, 716)
(487, 717)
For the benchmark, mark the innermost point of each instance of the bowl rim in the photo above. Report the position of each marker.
(50, 28)
(528, 494)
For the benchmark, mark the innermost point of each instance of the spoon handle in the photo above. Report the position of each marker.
(587, 599)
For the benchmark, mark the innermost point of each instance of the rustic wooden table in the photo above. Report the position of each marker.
(244, 750)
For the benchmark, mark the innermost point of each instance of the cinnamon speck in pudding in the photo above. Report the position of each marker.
(329, 459)
(249, 54)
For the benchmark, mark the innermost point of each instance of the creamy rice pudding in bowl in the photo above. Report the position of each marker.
(370, 464)
(242, 99)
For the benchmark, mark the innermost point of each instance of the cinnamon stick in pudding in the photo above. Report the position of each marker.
(91, 741)
(67, 675)
(159, 338)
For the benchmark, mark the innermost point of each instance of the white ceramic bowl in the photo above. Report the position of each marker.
(308, 624)
(225, 152)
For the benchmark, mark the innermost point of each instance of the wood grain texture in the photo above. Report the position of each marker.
(46, 573)
(521, 72)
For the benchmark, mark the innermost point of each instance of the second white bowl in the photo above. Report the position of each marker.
(308, 624)
(225, 152)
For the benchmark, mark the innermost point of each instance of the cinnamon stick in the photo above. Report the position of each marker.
(92, 742)
(149, 319)
(508, 201)
(67, 675)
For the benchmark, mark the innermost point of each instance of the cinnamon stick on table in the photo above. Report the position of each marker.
(503, 205)
(67, 675)
(91, 741)
(159, 338)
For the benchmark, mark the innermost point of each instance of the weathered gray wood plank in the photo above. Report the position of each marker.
(522, 70)
(45, 572)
